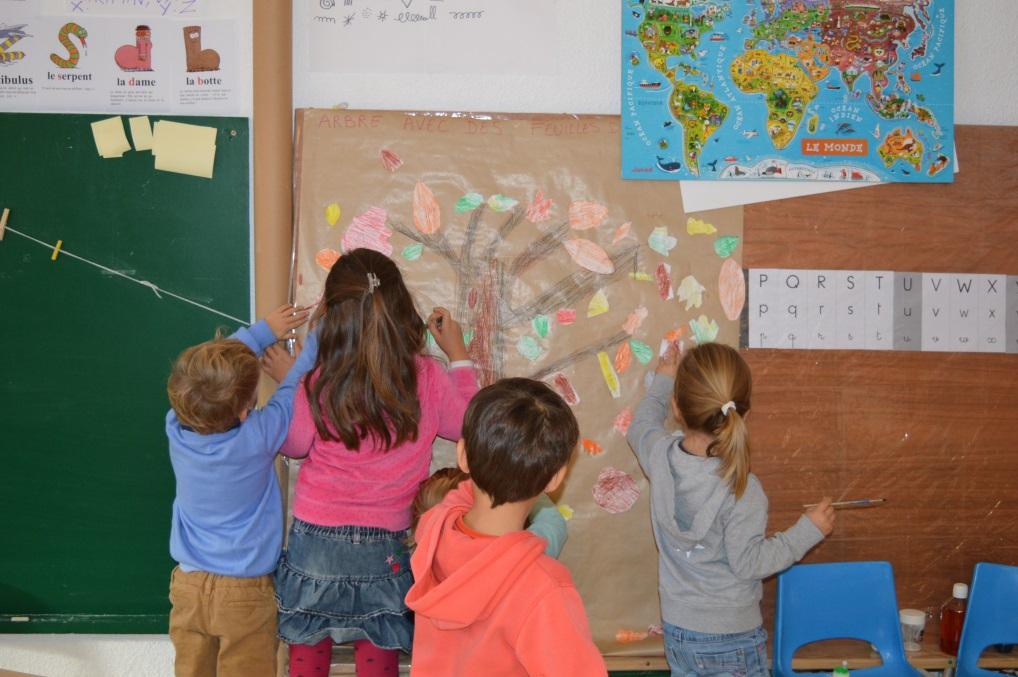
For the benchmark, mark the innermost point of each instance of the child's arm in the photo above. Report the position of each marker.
(547, 522)
(555, 639)
(453, 392)
(274, 418)
(647, 429)
(271, 328)
(749, 553)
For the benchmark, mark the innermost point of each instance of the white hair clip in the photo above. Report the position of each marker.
(373, 283)
(727, 407)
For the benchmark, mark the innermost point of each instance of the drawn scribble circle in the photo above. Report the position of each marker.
(615, 491)
(327, 4)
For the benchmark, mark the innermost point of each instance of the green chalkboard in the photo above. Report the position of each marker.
(86, 486)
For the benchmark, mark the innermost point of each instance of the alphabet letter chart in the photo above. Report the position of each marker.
(882, 310)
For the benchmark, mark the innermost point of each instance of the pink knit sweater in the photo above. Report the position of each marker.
(369, 487)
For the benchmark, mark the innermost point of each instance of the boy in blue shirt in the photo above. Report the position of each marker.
(227, 524)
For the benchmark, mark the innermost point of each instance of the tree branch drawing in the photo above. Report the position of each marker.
(484, 280)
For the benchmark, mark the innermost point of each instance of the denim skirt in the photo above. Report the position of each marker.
(698, 654)
(347, 583)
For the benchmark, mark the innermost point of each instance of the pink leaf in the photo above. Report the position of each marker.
(427, 215)
(584, 215)
(615, 491)
(368, 230)
(561, 383)
(664, 281)
(539, 208)
(634, 320)
(589, 255)
(565, 316)
(390, 160)
(623, 420)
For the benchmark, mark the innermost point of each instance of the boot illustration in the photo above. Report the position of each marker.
(198, 59)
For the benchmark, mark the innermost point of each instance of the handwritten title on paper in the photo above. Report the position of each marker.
(882, 310)
(167, 8)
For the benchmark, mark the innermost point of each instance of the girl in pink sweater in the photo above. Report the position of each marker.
(365, 417)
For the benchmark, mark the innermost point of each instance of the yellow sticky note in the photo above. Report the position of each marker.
(141, 133)
(183, 148)
(110, 139)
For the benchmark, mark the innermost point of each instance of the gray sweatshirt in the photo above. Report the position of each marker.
(713, 548)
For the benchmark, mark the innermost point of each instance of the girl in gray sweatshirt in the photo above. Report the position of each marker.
(709, 513)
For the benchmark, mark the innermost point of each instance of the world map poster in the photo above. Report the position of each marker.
(808, 90)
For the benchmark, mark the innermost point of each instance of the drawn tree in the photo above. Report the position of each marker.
(484, 280)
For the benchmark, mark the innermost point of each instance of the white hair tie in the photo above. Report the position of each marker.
(373, 283)
(727, 407)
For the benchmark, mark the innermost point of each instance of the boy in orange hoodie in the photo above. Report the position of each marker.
(488, 601)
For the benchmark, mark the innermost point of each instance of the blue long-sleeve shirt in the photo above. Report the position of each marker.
(228, 513)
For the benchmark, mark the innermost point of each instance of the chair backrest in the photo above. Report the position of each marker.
(842, 600)
(992, 615)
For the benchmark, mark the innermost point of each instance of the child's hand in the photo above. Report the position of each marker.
(284, 319)
(822, 515)
(448, 335)
(276, 361)
(669, 362)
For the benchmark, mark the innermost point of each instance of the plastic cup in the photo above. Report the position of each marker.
(913, 623)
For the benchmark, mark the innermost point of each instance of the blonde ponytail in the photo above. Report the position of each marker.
(712, 393)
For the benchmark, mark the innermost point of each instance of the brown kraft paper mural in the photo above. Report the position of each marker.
(557, 269)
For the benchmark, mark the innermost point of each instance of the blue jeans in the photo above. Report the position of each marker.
(742, 654)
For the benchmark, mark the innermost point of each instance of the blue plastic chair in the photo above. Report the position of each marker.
(991, 617)
(843, 600)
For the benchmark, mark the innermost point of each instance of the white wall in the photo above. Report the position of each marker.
(585, 80)
(585, 76)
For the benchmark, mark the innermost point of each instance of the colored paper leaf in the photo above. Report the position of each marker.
(368, 230)
(691, 292)
(591, 447)
(641, 351)
(326, 258)
(634, 320)
(623, 358)
(661, 242)
(529, 348)
(731, 289)
(390, 160)
(704, 329)
(332, 213)
(590, 255)
(427, 214)
(725, 245)
(584, 215)
(468, 202)
(539, 208)
(622, 232)
(501, 203)
(541, 325)
(695, 226)
(611, 379)
(598, 304)
(412, 252)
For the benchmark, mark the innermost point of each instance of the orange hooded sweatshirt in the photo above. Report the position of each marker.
(493, 606)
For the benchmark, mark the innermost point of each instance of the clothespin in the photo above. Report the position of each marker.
(3, 221)
(56, 250)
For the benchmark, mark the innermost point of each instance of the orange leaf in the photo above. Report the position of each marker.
(623, 357)
(591, 447)
(584, 215)
(327, 258)
(590, 256)
(427, 215)
(731, 289)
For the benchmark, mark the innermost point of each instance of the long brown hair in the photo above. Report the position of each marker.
(365, 374)
(709, 376)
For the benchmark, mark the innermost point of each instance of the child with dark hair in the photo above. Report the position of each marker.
(486, 597)
(545, 520)
(365, 418)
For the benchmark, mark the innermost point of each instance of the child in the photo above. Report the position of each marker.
(365, 417)
(544, 520)
(487, 600)
(227, 523)
(710, 513)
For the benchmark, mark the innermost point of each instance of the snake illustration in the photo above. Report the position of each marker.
(8, 36)
(73, 54)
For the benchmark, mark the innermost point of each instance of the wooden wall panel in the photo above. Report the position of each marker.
(934, 433)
